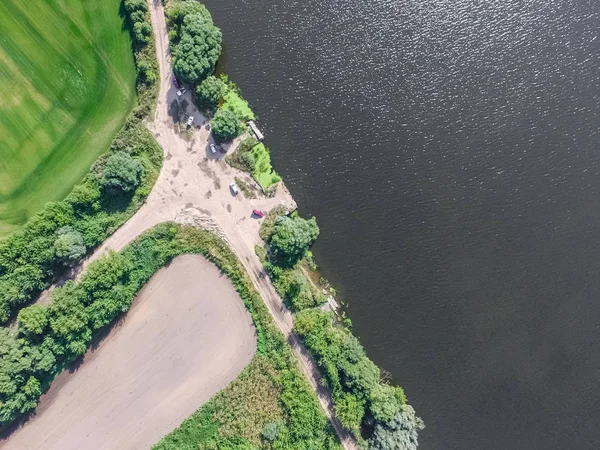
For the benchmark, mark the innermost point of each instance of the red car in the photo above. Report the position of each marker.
(175, 83)
(258, 213)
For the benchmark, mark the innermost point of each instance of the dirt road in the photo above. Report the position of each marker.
(186, 337)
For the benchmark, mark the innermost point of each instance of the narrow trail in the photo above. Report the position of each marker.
(193, 189)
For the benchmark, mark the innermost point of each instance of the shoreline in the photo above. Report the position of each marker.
(205, 202)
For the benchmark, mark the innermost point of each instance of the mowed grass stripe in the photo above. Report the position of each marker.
(68, 76)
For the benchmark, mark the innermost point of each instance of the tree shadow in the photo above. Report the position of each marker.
(114, 201)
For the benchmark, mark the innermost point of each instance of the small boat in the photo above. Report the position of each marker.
(258, 213)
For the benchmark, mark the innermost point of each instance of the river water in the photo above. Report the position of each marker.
(450, 151)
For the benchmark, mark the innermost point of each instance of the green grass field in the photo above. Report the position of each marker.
(67, 82)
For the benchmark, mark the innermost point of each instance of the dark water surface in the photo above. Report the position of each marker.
(449, 150)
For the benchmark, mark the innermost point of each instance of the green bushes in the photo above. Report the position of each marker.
(59, 235)
(362, 401)
(232, 101)
(295, 288)
(138, 22)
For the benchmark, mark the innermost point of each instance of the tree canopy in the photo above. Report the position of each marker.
(225, 125)
(122, 172)
(400, 433)
(69, 246)
(198, 49)
(291, 238)
(210, 91)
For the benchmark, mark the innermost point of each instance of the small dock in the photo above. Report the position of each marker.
(255, 130)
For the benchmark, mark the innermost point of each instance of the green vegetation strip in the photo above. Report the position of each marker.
(270, 405)
(67, 84)
(363, 403)
(118, 183)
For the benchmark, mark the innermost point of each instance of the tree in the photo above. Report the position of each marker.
(400, 433)
(291, 238)
(33, 320)
(198, 50)
(142, 32)
(210, 91)
(68, 246)
(17, 287)
(225, 125)
(21, 368)
(122, 172)
(135, 5)
(69, 333)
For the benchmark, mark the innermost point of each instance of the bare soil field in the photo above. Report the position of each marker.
(185, 338)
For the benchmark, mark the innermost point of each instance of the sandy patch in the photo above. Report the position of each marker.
(185, 338)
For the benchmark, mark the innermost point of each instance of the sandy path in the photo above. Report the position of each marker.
(185, 338)
(193, 188)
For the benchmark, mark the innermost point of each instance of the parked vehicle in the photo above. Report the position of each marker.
(235, 190)
(190, 121)
(175, 83)
(213, 149)
(258, 213)
(181, 91)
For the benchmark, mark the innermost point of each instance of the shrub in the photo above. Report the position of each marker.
(137, 21)
(353, 378)
(122, 172)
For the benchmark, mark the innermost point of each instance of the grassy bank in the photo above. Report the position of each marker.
(270, 405)
(31, 258)
(67, 83)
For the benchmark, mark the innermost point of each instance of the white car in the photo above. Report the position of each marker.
(181, 91)
(213, 149)
(190, 121)
(234, 188)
